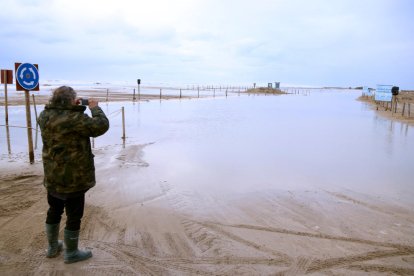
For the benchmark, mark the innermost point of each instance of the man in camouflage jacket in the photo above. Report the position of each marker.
(69, 170)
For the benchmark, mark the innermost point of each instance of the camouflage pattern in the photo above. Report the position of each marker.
(67, 156)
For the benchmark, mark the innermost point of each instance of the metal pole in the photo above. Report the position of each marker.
(34, 106)
(123, 123)
(29, 127)
(37, 124)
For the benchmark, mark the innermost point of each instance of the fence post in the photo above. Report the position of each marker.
(37, 125)
(34, 106)
(123, 124)
(180, 93)
(160, 93)
(107, 92)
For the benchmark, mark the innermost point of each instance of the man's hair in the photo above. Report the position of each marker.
(63, 96)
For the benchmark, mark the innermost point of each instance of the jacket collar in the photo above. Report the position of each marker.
(78, 108)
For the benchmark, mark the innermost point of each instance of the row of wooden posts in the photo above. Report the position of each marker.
(137, 96)
(29, 124)
(392, 106)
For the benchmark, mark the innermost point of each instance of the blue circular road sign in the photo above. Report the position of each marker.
(27, 76)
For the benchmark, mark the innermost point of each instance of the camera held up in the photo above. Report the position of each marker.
(83, 101)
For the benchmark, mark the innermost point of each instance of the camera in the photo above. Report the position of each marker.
(83, 101)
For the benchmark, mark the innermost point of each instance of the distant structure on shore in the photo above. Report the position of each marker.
(270, 85)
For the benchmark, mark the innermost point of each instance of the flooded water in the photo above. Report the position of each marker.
(323, 140)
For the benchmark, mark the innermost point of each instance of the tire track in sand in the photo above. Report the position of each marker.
(308, 266)
(152, 266)
(405, 248)
(369, 206)
(215, 227)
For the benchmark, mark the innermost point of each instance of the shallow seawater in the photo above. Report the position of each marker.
(323, 140)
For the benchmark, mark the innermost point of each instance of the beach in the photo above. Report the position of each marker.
(200, 192)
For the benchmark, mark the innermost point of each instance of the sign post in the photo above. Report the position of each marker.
(27, 78)
(6, 78)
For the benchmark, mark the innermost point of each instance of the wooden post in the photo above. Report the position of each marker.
(107, 93)
(409, 109)
(160, 93)
(214, 92)
(123, 124)
(133, 98)
(180, 93)
(403, 110)
(6, 108)
(395, 105)
(226, 93)
(29, 127)
(8, 139)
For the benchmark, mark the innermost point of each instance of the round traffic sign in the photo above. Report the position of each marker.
(27, 76)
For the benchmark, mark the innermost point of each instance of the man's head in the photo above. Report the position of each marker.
(63, 95)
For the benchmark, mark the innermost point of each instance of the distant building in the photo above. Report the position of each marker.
(277, 85)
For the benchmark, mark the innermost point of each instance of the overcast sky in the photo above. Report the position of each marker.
(307, 42)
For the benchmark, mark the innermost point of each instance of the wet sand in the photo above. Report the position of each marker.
(138, 224)
(162, 231)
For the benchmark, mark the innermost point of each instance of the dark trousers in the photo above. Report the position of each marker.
(74, 211)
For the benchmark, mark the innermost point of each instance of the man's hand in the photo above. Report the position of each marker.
(92, 103)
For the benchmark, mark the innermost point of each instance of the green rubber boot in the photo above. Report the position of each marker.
(55, 246)
(72, 254)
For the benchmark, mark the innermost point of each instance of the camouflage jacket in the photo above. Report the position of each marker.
(67, 156)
